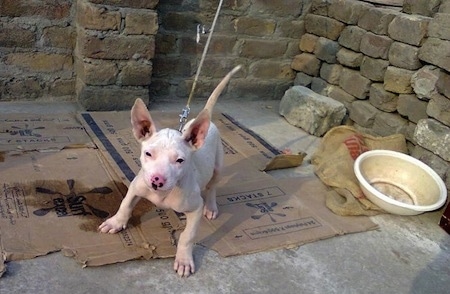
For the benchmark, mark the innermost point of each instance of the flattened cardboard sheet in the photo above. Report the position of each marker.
(25, 132)
(54, 201)
(270, 214)
(256, 212)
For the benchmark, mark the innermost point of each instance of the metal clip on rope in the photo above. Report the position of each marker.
(183, 117)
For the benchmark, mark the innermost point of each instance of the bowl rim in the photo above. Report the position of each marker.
(373, 153)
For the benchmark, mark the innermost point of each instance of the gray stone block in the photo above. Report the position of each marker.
(439, 108)
(374, 68)
(387, 124)
(433, 136)
(351, 37)
(349, 58)
(382, 99)
(435, 51)
(354, 83)
(326, 50)
(363, 113)
(310, 111)
(410, 106)
(404, 56)
(424, 82)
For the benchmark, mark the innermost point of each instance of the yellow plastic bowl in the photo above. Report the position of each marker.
(399, 183)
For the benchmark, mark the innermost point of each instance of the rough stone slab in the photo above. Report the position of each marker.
(375, 46)
(245, 25)
(382, 99)
(349, 58)
(323, 26)
(340, 95)
(411, 107)
(302, 79)
(308, 43)
(439, 108)
(351, 37)
(439, 165)
(422, 7)
(310, 111)
(424, 82)
(320, 86)
(319, 7)
(363, 113)
(135, 73)
(398, 80)
(433, 136)
(354, 83)
(439, 26)
(94, 17)
(443, 84)
(347, 11)
(377, 20)
(374, 68)
(326, 50)
(409, 29)
(445, 6)
(387, 124)
(116, 46)
(97, 72)
(404, 56)
(331, 73)
(251, 48)
(147, 4)
(435, 51)
(141, 22)
(307, 63)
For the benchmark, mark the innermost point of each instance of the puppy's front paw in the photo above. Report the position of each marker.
(113, 225)
(210, 211)
(184, 264)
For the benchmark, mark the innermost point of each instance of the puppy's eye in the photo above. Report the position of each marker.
(180, 160)
(148, 154)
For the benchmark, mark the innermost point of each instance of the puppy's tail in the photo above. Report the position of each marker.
(218, 90)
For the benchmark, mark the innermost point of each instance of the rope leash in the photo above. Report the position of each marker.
(186, 110)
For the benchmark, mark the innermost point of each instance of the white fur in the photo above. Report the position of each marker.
(177, 170)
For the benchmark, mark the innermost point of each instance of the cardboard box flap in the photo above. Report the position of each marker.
(26, 132)
(270, 214)
(65, 198)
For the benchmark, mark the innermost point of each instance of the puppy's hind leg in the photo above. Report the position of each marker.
(210, 210)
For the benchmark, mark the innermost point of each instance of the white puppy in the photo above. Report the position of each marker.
(177, 170)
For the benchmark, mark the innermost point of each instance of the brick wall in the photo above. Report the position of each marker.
(114, 52)
(102, 52)
(36, 43)
(389, 68)
(261, 35)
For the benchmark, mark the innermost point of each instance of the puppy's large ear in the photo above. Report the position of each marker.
(141, 121)
(196, 132)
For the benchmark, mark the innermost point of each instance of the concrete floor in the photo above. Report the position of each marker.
(405, 255)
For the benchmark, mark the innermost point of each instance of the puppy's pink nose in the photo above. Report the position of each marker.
(157, 181)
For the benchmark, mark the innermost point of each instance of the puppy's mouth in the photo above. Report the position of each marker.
(154, 186)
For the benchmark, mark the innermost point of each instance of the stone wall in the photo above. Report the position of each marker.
(114, 52)
(389, 68)
(36, 43)
(261, 35)
(102, 52)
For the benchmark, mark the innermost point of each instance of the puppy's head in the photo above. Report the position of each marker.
(166, 154)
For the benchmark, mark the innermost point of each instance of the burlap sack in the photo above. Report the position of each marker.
(334, 161)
